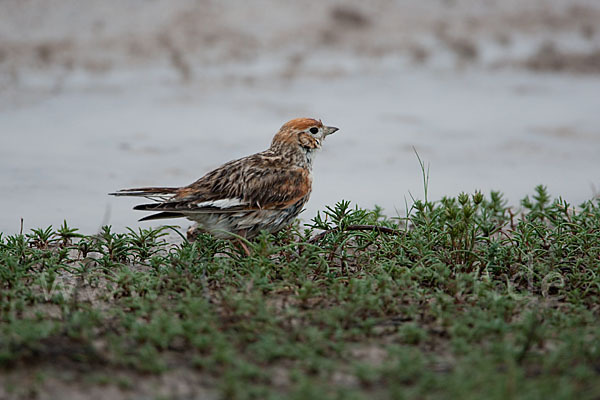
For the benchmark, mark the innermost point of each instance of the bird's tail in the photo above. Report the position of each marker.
(157, 194)
(162, 215)
(147, 191)
(153, 193)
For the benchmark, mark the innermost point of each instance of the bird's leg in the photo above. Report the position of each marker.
(242, 244)
(192, 232)
(244, 247)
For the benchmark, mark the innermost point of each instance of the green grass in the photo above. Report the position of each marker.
(465, 298)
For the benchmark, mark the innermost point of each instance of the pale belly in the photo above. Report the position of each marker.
(246, 223)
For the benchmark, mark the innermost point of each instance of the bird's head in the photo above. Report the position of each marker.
(306, 133)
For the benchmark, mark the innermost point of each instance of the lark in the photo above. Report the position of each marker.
(263, 191)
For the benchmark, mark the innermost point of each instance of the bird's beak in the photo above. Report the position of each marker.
(328, 130)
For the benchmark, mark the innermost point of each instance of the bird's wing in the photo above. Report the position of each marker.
(246, 184)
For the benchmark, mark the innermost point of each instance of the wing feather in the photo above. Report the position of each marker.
(260, 181)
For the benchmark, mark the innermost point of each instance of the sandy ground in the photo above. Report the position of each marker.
(492, 94)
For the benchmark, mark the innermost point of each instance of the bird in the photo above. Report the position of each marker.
(261, 192)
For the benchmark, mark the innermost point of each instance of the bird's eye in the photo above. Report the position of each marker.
(314, 130)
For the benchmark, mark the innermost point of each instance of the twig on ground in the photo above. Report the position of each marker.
(380, 229)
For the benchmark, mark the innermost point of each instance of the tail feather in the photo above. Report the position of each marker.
(148, 207)
(157, 194)
(162, 215)
(147, 191)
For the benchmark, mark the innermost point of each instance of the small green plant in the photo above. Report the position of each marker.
(464, 297)
(66, 234)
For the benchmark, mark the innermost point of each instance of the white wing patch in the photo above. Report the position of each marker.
(222, 203)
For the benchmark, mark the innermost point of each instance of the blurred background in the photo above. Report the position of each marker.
(99, 95)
